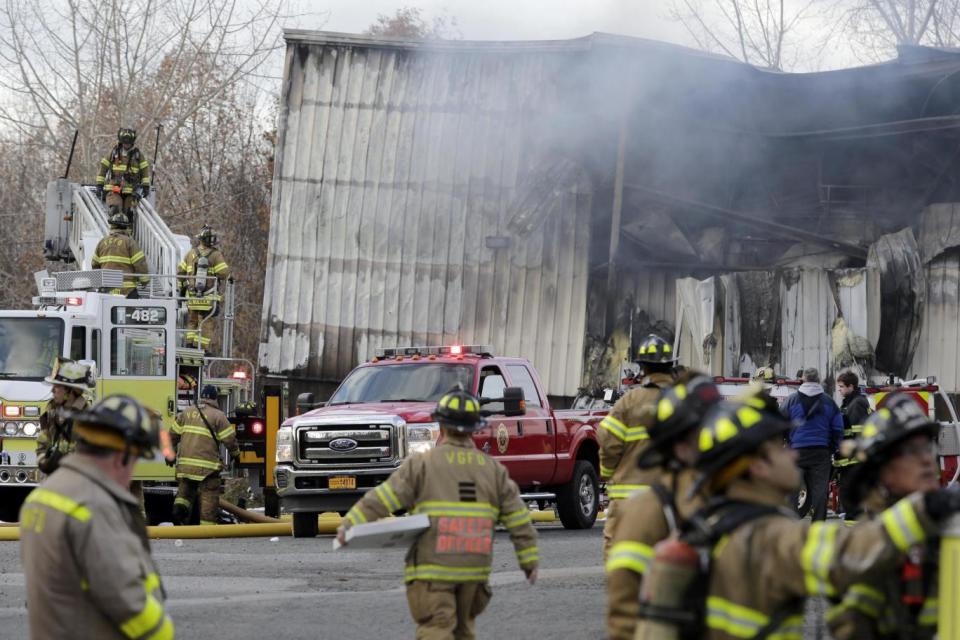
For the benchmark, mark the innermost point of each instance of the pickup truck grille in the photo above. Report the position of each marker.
(347, 445)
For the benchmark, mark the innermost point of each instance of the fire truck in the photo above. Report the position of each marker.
(134, 345)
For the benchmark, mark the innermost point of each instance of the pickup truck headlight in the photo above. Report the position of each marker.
(422, 437)
(285, 444)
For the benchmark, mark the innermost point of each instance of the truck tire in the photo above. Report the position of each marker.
(305, 525)
(578, 500)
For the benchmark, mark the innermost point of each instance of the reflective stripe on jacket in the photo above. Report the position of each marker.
(86, 560)
(465, 493)
(198, 452)
(131, 170)
(799, 559)
(623, 436)
(875, 610)
(121, 252)
(641, 524)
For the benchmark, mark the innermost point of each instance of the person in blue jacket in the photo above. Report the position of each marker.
(816, 439)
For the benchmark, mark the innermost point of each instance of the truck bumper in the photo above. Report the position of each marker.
(302, 490)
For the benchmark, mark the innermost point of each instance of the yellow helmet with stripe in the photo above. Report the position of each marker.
(737, 429)
(460, 411)
(899, 418)
(655, 350)
(120, 423)
(680, 409)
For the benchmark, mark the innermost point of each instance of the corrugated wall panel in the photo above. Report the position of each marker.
(392, 168)
(938, 352)
(807, 312)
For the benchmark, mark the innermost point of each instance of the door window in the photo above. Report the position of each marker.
(492, 385)
(78, 343)
(95, 347)
(138, 352)
(521, 377)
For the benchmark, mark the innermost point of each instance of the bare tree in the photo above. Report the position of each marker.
(190, 65)
(408, 22)
(94, 65)
(759, 32)
(876, 27)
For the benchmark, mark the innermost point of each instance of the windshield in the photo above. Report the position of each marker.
(402, 382)
(28, 347)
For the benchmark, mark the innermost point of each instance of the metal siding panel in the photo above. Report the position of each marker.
(808, 312)
(939, 350)
(403, 163)
(369, 294)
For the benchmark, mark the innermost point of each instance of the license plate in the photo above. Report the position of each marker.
(342, 482)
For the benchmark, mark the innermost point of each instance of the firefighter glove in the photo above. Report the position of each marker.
(100, 192)
(170, 462)
(942, 503)
(145, 190)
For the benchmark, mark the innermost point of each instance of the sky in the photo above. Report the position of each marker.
(519, 19)
(532, 19)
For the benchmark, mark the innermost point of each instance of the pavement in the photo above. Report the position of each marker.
(279, 588)
(255, 588)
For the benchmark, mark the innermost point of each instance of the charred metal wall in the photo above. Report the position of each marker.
(391, 214)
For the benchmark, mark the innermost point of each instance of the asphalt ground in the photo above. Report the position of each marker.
(259, 588)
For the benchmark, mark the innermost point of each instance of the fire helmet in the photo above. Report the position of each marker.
(899, 418)
(680, 409)
(207, 236)
(72, 374)
(120, 423)
(119, 220)
(460, 411)
(655, 350)
(209, 392)
(125, 135)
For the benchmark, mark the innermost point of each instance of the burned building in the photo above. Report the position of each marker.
(561, 199)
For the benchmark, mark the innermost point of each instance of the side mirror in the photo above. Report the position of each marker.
(513, 403)
(305, 402)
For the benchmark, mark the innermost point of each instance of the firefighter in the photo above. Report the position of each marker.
(465, 493)
(648, 517)
(86, 557)
(124, 175)
(623, 432)
(69, 380)
(204, 267)
(121, 252)
(197, 435)
(764, 562)
(897, 455)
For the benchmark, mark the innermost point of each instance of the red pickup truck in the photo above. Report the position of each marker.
(329, 456)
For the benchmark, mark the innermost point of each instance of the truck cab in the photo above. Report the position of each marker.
(131, 343)
(381, 414)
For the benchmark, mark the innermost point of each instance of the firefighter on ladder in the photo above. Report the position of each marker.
(120, 252)
(465, 493)
(124, 175)
(206, 272)
(623, 432)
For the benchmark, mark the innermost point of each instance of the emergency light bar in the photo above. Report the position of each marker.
(452, 350)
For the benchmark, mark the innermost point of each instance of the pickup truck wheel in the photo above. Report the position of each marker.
(304, 525)
(578, 500)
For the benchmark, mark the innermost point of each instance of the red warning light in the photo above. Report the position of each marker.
(256, 428)
(456, 350)
(239, 375)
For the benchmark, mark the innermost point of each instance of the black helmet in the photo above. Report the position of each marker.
(207, 236)
(119, 220)
(899, 418)
(459, 410)
(127, 135)
(736, 429)
(121, 423)
(209, 392)
(680, 409)
(655, 350)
